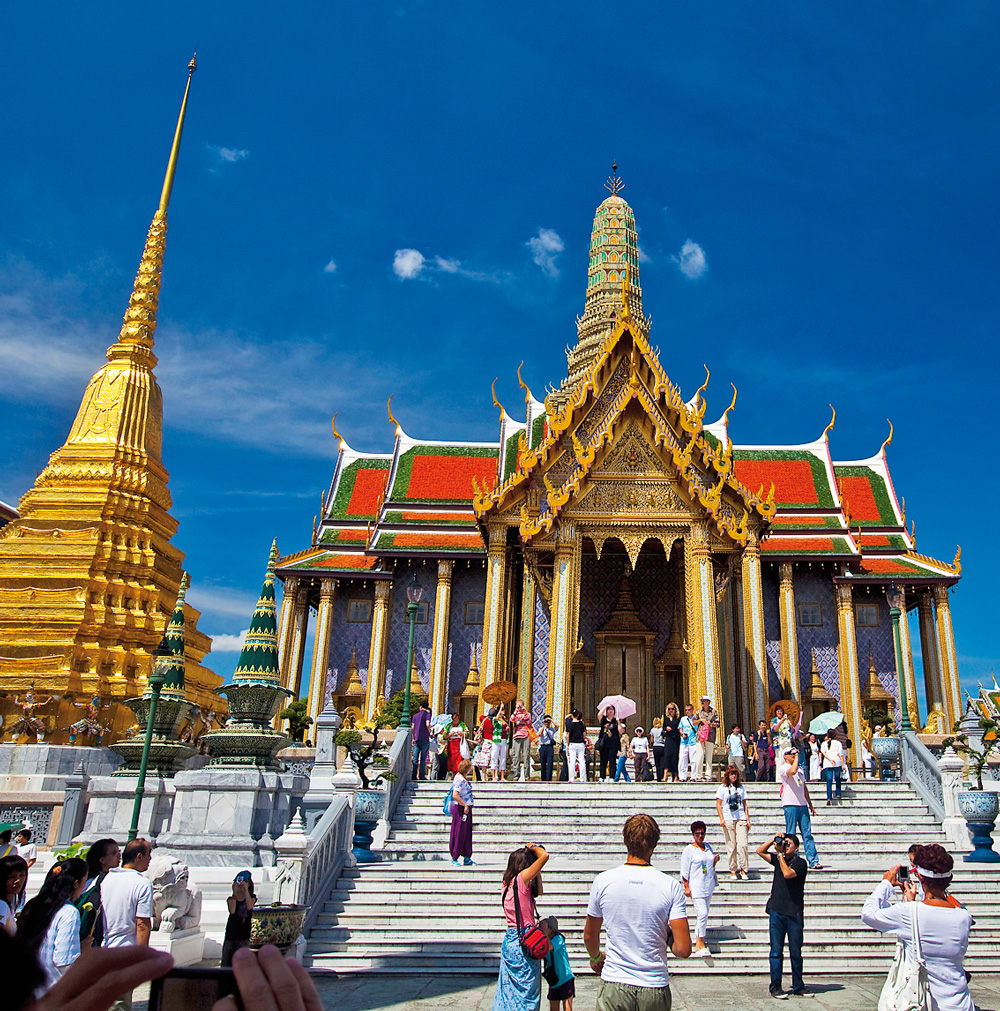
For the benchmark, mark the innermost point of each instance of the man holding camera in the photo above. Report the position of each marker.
(786, 910)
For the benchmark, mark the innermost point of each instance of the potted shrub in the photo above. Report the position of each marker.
(978, 806)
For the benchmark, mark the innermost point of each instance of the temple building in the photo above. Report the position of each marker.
(611, 541)
(88, 575)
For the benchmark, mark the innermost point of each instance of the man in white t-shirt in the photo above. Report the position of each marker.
(127, 901)
(643, 912)
(797, 804)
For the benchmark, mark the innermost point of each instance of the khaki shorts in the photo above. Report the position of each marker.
(624, 997)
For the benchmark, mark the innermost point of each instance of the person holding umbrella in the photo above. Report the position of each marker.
(609, 743)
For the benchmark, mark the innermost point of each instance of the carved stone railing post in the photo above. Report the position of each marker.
(954, 824)
(74, 806)
(290, 848)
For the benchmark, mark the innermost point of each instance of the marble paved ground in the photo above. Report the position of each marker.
(422, 992)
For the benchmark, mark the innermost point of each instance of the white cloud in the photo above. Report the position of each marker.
(448, 266)
(330, 268)
(644, 257)
(229, 643)
(691, 261)
(544, 248)
(229, 154)
(407, 263)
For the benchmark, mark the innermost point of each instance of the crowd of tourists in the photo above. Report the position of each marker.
(82, 942)
(642, 914)
(676, 748)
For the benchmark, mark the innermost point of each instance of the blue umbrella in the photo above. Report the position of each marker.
(825, 721)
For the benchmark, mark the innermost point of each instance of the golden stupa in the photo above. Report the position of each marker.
(88, 576)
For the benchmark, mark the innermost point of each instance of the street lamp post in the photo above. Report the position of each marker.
(413, 594)
(897, 604)
(157, 677)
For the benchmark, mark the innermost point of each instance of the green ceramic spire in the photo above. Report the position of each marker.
(173, 639)
(259, 658)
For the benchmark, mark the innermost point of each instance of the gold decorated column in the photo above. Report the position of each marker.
(847, 661)
(753, 629)
(561, 644)
(493, 621)
(297, 652)
(951, 689)
(789, 631)
(744, 693)
(932, 669)
(288, 595)
(707, 648)
(380, 641)
(909, 677)
(527, 650)
(321, 647)
(439, 651)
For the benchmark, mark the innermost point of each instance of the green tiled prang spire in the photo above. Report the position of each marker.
(259, 657)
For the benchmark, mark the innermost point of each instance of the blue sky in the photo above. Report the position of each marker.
(828, 170)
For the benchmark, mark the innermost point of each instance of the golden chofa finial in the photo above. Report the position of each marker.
(829, 428)
(523, 384)
(614, 185)
(336, 434)
(704, 386)
(888, 441)
(168, 180)
(388, 407)
(732, 404)
(496, 403)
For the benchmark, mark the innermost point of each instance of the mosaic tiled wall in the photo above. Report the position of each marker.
(816, 588)
(540, 659)
(465, 642)
(399, 627)
(772, 630)
(653, 586)
(344, 635)
(878, 642)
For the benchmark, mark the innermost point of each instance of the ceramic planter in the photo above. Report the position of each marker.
(980, 809)
(277, 925)
(369, 807)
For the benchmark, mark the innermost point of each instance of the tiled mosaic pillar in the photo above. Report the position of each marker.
(439, 653)
(951, 689)
(753, 624)
(527, 647)
(789, 641)
(931, 657)
(561, 645)
(909, 677)
(847, 658)
(708, 648)
(494, 625)
(300, 625)
(376, 656)
(321, 647)
(288, 595)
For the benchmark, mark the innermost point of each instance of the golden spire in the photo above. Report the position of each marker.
(168, 179)
(139, 324)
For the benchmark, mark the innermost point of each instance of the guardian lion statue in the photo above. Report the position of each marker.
(176, 905)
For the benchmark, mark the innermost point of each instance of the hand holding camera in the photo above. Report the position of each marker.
(779, 844)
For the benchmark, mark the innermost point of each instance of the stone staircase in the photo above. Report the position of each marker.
(413, 911)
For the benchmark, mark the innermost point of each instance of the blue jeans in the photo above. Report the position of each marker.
(779, 927)
(622, 759)
(420, 749)
(797, 822)
(830, 775)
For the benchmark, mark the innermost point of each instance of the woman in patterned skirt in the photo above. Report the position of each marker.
(519, 985)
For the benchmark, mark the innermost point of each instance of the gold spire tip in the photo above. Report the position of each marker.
(614, 185)
(168, 179)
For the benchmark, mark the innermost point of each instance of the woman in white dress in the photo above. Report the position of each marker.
(942, 924)
(815, 759)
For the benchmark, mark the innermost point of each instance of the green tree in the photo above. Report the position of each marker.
(298, 719)
(392, 711)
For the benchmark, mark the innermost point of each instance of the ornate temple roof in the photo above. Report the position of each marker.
(424, 497)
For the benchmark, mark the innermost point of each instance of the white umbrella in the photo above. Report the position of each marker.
(624, 708)
(824, 722)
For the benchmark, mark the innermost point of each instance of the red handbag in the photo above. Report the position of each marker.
(534, 941)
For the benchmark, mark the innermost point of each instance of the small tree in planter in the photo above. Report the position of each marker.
(365, 757)
(977, 758)
(298, 718)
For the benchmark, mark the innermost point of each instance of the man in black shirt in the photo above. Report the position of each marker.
(785, 908)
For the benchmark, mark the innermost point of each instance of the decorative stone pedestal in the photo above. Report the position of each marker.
(109, 812)
(225, 817)
(187, 946)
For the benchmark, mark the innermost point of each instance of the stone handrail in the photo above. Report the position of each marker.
(921, 771)
(399, 763)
